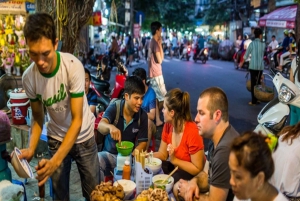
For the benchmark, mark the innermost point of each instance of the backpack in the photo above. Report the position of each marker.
(118, 107)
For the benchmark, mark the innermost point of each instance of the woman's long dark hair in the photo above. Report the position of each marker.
(291, 132)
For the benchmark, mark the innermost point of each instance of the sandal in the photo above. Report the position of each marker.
(250, 103)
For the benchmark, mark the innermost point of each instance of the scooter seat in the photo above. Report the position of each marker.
(103, 99)
(100, 85)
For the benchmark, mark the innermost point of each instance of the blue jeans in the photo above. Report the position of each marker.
(107, 163)
(85, 155)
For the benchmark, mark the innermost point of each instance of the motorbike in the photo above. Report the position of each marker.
(273, 117)
(287, 62)
(186, 53)
(201, 55)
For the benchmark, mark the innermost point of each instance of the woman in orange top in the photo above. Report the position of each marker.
(180, 141)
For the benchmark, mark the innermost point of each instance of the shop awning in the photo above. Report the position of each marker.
(282, 18)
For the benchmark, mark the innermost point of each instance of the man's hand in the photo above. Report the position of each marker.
(188, 189)
(26, 154)
(115, 133)
(44, 170)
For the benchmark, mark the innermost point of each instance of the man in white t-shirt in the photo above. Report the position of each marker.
(273, 44)
(55, 80)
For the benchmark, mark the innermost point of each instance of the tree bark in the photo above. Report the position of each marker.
(79, 12)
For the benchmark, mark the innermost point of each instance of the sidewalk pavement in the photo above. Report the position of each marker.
(31, 186)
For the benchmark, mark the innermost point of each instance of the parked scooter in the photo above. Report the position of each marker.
(186, 53)
(201, 55)
(273, 117)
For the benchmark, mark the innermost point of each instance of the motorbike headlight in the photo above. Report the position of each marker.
(285, 94)
(275, 127)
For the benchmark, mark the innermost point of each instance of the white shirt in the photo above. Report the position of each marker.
(294, 67)
(102, 48)
(55, 91)
(273, 45)
(279, 197)
(286, 177)
(247, 43)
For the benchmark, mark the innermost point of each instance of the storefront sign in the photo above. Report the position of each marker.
(30, 6)
(273, 23)
(137, 29)
(12, 7)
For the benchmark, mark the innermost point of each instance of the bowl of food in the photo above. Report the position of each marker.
(158, 181)
(21, 166)
(128, 187)
(155, 165)
(124, 148)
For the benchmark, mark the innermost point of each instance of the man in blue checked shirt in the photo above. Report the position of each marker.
(256, 67)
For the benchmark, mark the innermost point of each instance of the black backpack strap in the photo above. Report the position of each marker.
(297, 67)
(118, 106)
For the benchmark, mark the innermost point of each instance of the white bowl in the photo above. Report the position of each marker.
(155, 166)
(168, 186)
(128, 187)
(21, 166)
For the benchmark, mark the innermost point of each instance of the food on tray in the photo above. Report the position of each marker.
(106, 192)
(152, 195)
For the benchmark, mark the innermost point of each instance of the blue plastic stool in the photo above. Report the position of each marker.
(21, 184)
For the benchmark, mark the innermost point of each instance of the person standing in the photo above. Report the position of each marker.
(55, 80)
(256, 49)
(155, 71)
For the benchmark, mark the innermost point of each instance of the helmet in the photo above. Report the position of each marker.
(246, 36)
(291, 31)
(286, 32)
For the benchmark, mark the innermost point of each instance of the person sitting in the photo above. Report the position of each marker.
(180, 141)
(149, 103)
(90, 93)
(132, 125)
(251, 166)
(212, 120)
(286, 158)
(291, 50)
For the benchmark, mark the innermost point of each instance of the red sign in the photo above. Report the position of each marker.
(137, 30)
(97, 20)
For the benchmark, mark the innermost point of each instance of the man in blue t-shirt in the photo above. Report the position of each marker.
(131, 126)
(90, 93)
(149, 103)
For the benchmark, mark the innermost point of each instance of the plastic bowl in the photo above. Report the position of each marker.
(127, 150)
(128, 186)
(21, 166)
(155, 166)
(168, 186)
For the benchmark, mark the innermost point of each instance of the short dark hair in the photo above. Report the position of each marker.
(155, 26)
(253, 153)
(88, 72)
(134, 84)
(140, 72)
(217, 101)
(273, 36)
(39, 25)
(257, 32)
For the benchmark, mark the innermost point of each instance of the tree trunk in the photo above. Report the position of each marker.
(271, 5)
(78, 14)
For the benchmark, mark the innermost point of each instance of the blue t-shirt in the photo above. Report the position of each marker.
(132, 132)
(149, 100)
(201, 43)
(285, 44)
(92, 97)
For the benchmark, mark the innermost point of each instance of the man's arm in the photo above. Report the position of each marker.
(36, 129)
(215, 194)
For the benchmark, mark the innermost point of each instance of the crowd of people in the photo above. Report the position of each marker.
(237, 167)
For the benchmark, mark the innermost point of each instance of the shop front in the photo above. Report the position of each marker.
(13, 52)
(279, 20)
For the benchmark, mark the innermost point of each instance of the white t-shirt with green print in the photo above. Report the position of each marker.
(55, 90)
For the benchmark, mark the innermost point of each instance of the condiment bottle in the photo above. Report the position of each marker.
(126, 170)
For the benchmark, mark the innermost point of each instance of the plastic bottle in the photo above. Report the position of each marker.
(126, 170)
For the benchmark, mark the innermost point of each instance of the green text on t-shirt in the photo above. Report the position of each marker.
(61, 95)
